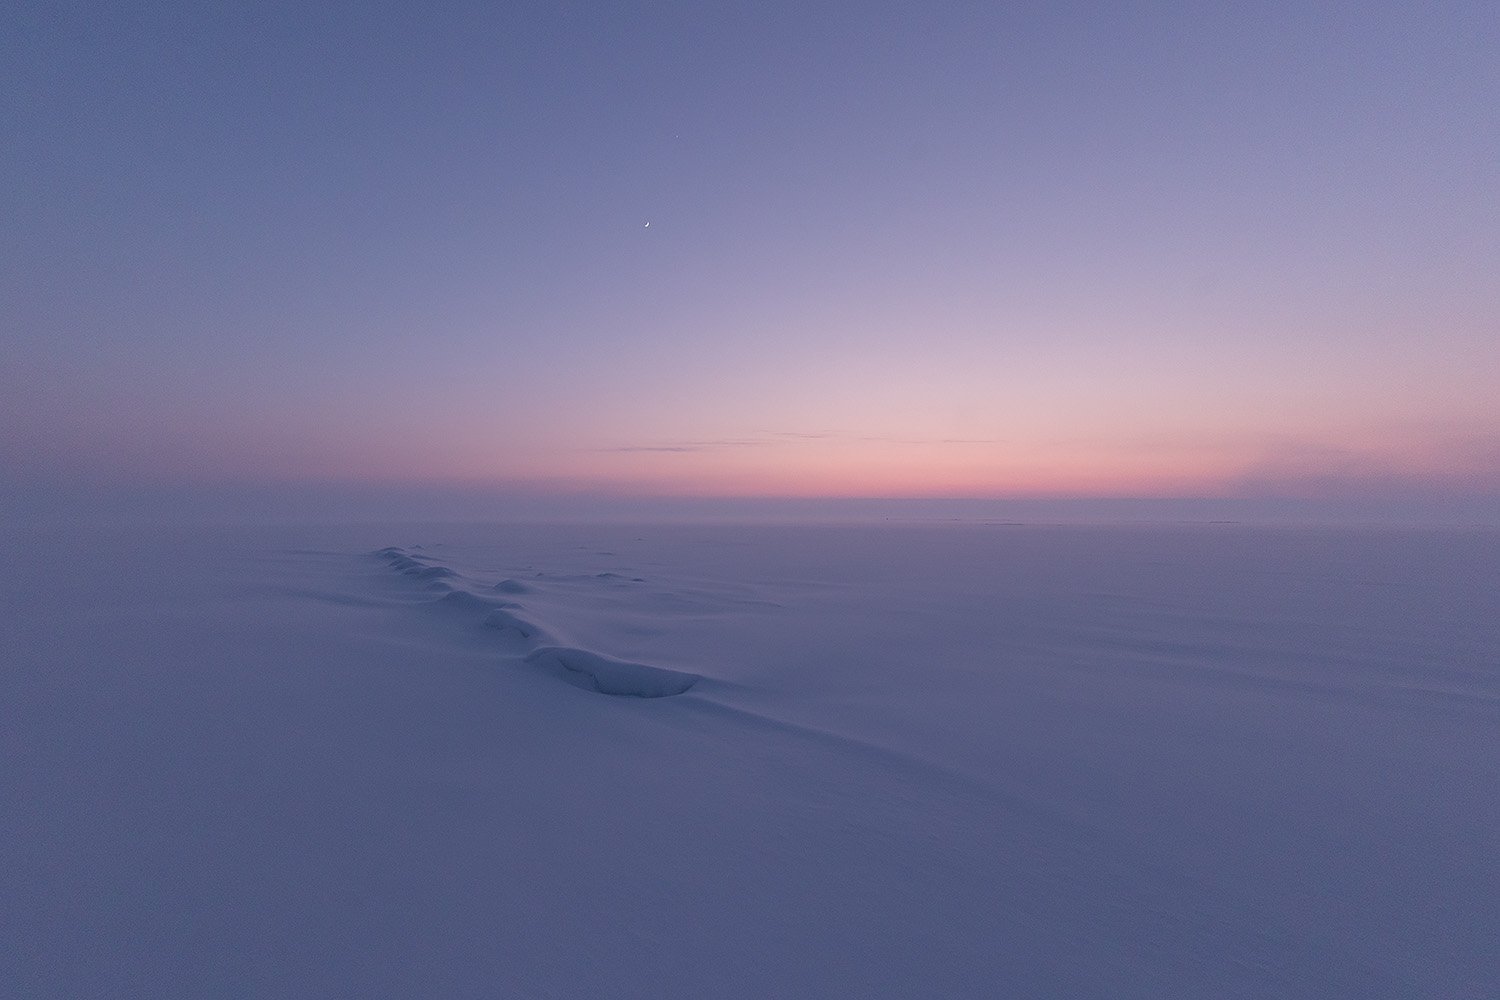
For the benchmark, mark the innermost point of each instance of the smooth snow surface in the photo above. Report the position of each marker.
(713, 761)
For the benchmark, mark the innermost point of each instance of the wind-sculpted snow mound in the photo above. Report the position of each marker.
(462, 600)
(507, 622)
(595, 672)
(581, 668)
(411, 567)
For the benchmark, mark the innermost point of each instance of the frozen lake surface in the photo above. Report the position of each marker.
(751, 761)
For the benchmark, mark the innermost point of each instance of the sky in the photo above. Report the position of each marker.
(788, 250)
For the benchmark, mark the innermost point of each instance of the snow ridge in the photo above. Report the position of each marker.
(582, 668)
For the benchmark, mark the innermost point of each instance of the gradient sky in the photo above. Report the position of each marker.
(893, 249)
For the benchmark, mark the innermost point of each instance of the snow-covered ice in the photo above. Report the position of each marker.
(1197, 761)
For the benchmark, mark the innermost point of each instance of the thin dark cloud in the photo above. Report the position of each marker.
(783, 439)
(900, 439)
(671, 448)
(687, 447)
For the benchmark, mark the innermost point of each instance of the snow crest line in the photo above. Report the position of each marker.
(582, 668)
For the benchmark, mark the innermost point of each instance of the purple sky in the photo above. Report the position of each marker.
(894, 250)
